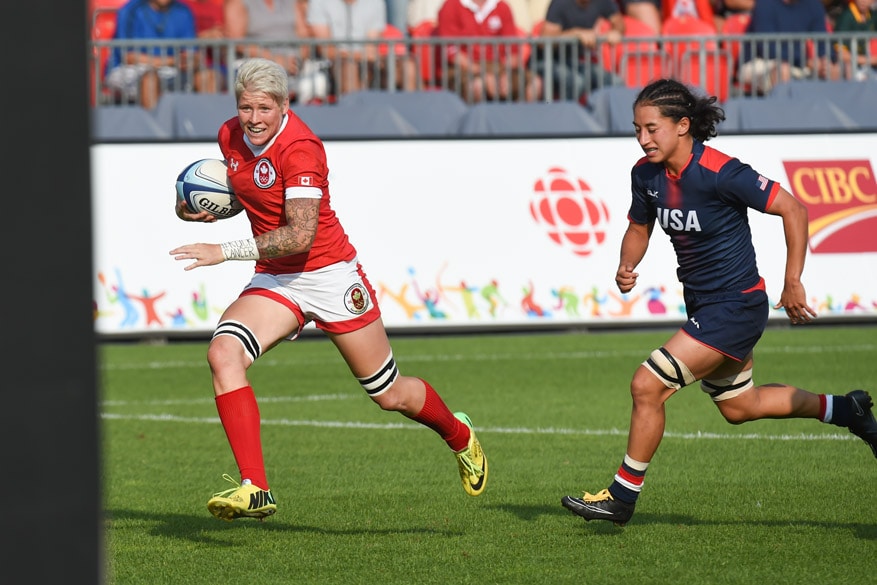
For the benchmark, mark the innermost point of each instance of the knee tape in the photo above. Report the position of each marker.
(672, 372)
(242, 333)
(724, 388)
(380, 381)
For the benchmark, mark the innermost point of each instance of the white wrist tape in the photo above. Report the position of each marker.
(240, 250)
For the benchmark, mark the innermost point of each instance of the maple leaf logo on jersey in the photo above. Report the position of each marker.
(264, 174)
(569, 212)
(841, 200)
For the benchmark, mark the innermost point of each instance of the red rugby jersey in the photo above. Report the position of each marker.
(293, 164)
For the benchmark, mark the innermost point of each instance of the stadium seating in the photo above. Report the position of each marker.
(694, 32)
(425, 54)
(364, 121)
(126, 123)
(638, 57)
(103, 27)
(195, 116)
(735, 24)
(698, 58)
(432, 112)
(613, 108)
(833, 90)
(784, 114)
(856, 99)
(529, 119)
(392, 33)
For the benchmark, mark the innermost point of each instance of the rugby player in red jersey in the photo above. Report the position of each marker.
(306, 269)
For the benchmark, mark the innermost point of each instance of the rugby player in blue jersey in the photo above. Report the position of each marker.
(699, 197)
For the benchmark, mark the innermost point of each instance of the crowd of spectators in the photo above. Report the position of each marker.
(575, 68)
(483, 71)
(765, 65)
(334, 63)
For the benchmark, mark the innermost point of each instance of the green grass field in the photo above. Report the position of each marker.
(367, 497)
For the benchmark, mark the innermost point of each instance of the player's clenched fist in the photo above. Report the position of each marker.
(625, 278)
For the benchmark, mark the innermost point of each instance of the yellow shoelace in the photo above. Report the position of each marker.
(465, 460)
(229, 491)
(600, 496)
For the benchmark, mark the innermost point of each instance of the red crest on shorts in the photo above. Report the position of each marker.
(356, 299)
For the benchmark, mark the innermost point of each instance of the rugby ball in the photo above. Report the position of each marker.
(204, 186)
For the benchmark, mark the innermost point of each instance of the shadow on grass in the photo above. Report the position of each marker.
(530, 513)
(203, 528)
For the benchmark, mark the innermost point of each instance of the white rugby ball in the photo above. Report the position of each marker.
(204, 186)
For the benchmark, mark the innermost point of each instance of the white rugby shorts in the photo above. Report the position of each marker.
(337, 298)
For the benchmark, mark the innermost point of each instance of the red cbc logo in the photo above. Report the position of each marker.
(569, 212)
(841, 200)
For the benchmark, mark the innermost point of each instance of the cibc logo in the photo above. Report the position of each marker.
(569, 212)
(841, 198)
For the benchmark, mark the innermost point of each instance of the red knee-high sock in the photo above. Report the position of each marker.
(239, 414)
(435, 415)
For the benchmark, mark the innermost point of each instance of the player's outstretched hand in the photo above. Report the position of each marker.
(794, 300)
(202, 254)
(183, 212)
(625, 278)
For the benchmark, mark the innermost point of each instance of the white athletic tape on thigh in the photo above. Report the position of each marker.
(672, 372)
(380, 381)
(724, 388)
(242, 333)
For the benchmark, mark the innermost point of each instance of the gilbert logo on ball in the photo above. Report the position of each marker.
(841, 201)
(204, 186)
(571, 215)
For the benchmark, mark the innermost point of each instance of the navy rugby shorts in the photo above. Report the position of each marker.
(730, 322)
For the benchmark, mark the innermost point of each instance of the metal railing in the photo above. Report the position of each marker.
(548, 69)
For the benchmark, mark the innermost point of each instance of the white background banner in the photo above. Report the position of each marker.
(480, 233)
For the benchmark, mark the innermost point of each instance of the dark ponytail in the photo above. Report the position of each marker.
(676, 101)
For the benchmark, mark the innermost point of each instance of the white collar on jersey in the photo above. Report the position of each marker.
(258, 150)
(482, 11)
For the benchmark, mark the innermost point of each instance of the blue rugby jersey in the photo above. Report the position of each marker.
(704, 211)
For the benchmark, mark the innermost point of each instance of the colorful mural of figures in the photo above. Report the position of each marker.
(147, 310)
(529, 235)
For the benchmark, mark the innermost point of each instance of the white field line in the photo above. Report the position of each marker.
(813, 349)
(482, 430)
(533, 356)
(211, 400)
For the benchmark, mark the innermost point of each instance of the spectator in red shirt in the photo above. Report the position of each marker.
(484, 71)
(209, 17)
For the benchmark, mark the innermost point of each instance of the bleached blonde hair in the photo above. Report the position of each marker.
(262, 75)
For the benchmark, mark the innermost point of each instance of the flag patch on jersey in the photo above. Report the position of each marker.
(305, 181)
(762, 182)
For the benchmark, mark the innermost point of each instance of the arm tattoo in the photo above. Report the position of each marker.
(297, 235)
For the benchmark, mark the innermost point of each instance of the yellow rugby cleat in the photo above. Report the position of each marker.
(471, 461)
(242, 501)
